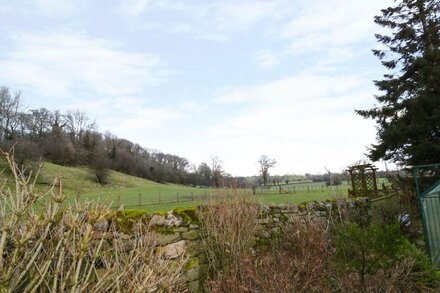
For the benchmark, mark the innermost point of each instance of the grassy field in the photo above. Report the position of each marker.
(126, 188)
(137, 193)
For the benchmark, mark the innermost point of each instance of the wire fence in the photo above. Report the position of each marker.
(161, 198)
(199, 197)
(291, 189)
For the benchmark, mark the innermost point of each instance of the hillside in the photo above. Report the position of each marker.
(120, 186)
(139, 193)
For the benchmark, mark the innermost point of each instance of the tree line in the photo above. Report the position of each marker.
(73, 139)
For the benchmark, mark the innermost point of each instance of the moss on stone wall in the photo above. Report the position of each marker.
(124, 220)
(189, 215)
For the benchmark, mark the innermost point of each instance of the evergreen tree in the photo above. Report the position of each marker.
(408, 118)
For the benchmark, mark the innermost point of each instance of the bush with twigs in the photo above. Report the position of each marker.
(229, 223)
(47, 246)
(306, 257)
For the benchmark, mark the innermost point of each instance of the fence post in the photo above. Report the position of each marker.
(294, 189)
(119, 200)
(308, 189)
(139, 199)
(159, 198)
(178, 200)
(322, 188)
(279, 186)
(192, 196)
(206, 195)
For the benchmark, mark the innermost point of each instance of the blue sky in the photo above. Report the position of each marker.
(235, 79)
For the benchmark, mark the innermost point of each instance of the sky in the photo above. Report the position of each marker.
(229, 78)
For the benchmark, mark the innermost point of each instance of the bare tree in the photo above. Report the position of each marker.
(39, 122)
(57, 124)
(10, 104)
(77, 123)
(265, 164)
(216, 169)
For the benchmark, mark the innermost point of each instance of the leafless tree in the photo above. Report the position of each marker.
(77, 123)
(10, 106)
(216, 169)
(39, 122)
(265, 164)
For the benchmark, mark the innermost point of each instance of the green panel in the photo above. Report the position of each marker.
(430, 213)
(431, 222)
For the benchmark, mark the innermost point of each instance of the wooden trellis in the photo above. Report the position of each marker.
(363, 180)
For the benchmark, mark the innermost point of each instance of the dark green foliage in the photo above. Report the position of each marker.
(428, 276)
(408, 115)
(367, 250)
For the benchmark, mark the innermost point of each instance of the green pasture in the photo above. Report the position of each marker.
(136, 193)
(120, 187)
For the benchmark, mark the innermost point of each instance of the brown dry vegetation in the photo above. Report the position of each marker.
(300, 259)
(53, 249)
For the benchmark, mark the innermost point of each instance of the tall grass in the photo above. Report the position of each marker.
(54, 248)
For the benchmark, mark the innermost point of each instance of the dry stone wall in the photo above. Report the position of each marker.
(177, 233)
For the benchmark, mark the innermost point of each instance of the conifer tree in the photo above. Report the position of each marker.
(408, 115)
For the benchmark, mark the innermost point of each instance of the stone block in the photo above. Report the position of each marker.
(190, 235)
(192, 274)
(203, 271)
(157, 220)
(164, 239)
(203, 258)
(195, 248)
(181, 229)
(191, 263)
(194, 286)
(173, 250)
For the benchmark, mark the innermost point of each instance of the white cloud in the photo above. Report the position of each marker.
(66, 64)
(128, 117)
(134, 124)
(212, 20)
(57, 7)
(305, 122)
(266, 59)
(47, 8)
(291, 88)
(322, 24)
(192, 106)
(135, 7)
(94, 75)
(4, 8)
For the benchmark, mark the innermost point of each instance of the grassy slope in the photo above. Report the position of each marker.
(127, 188)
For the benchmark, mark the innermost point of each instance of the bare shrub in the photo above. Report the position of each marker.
(54, 248)
(297, 263)
(400, 278)
(229, 221)
(99, 165)
(303, 259)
